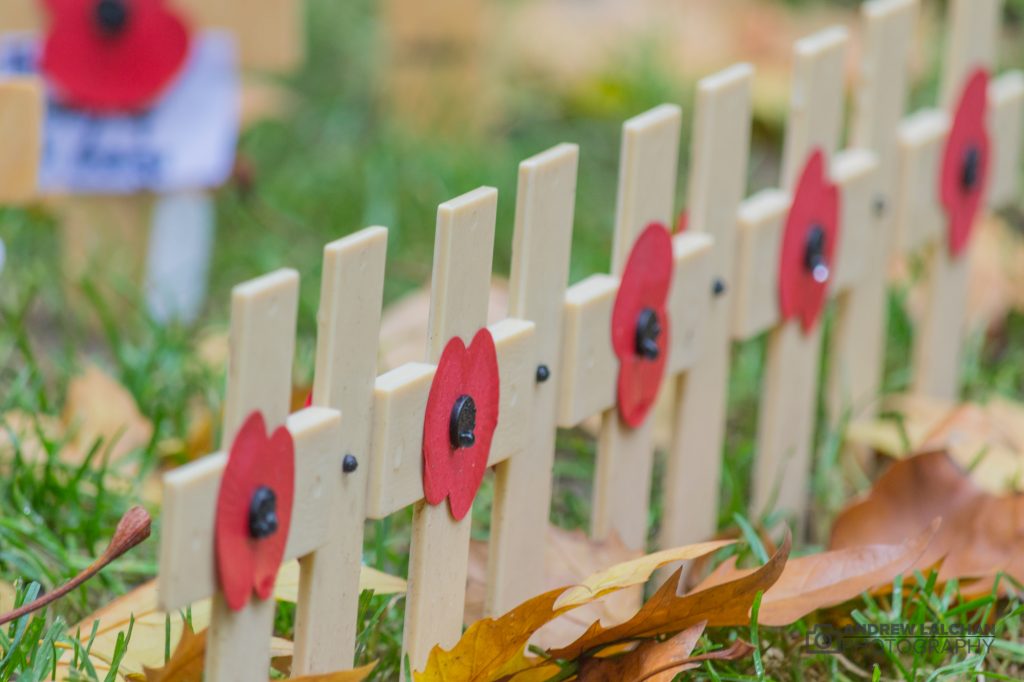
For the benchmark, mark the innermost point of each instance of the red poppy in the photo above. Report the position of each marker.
(966, 160)
(640, 324)
(254, 511)
(809, 244)
(462, 413)
(113, 55)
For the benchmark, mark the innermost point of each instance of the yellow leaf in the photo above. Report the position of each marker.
(487, 647)
(668, 612)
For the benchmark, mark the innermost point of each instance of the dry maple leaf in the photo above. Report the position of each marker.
(645, 659)
(981, 534)
(667, 611)
(570, 557)
(185, 664)
(827, 579)
(491, 649)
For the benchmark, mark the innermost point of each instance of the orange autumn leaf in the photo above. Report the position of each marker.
(356, 675)
(981, 534)
(827, 579)
(186, 663)
(488, 646)
(667, 611)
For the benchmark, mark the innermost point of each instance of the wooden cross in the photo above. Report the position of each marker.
(439, 553)
(788, 397)
(351, 296)
(647, 183)
(923, 220)
(859, 333)
(542, 241)
(262, 338)
(717, 184)
(21, 120)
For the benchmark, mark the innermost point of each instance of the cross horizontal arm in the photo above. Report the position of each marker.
(400, 402)
(187, 564)
(854, 172)
(689, 301)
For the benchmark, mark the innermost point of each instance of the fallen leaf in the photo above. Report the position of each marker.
(570, 557)
(489, 645)
(186, 663)
(149, 635)
(26, 433)
(827, 579)
(668, 612)
(981, 534)
(987, 440)
(642, 662)
(98, 407)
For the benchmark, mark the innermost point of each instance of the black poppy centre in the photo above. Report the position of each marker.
(815, 259)
(462, 427)
(648, 329)
(970, 171)
(112, 16)
(263, 519)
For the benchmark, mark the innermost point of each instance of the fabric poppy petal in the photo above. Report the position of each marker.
(966, 161)
(811, 233)
(112, 56)
(438, 453)
(244, 564)
(643, 290)
(454, 472)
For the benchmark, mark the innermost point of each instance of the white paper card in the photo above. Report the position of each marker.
(185, 141)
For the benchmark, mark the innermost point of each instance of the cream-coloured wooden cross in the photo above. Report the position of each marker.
(922, 220)
(351, 295)
(717, 185)
(439, 553)
(647, 184)
(788, 396)
(262, 339)
(542, 241)
(21, 121)
(859, 333)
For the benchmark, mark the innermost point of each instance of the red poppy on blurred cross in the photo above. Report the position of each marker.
(965, 163)
(112, 56)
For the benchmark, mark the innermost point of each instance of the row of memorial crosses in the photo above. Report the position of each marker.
(423, 435)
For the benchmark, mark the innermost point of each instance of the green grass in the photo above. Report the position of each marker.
(334, 165)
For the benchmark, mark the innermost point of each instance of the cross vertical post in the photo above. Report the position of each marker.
(351, 296)
(262, 338)
(799, 245)
(600, 378)
(858, 346)
(648, 165)
(717, 181)
(439, 552)
(540, 272)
